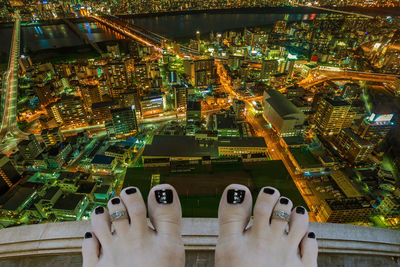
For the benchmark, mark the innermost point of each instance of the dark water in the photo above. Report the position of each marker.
(36, 38)
(182, 26)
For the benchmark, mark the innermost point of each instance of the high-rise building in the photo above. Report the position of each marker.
(101, 111)
(193, 112)
(8, 174)
(181, 96)
(124, 121)
(45, 93)
(239, 108)
(51, 136)
(389, 207)
(70, 110)
(152, 104)
(30, 148)
(352, 146)
(268, 67)
(375, 127)
(200, 72)
(332, 115)
(90, 94)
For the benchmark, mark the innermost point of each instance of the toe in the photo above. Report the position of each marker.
(265, 203)
(279, 225)
(133, 200)
(298, 225)
(90, 250)
(234, 210)
(165, 210)
(121, 226)
(101, 225)
(309, 250)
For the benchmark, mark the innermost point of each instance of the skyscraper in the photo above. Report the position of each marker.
(332, 115)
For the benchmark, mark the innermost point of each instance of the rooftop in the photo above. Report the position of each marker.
(242, 142)
(102, 159)
(68, 202)
(280, 103)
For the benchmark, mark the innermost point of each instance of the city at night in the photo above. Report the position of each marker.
(194, 133)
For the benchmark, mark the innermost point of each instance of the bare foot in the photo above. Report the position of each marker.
(266, 242)
(134, 244)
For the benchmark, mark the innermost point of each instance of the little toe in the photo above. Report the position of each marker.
(133, 201)
(117, 209)
(165, 210)
(279, 224)
(101, 225)
(90, 250)
(309, 250)
(298, 225)
(265, 203)
(234, 210)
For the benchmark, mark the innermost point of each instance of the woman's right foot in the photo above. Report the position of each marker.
(133, 243)
(266, 242)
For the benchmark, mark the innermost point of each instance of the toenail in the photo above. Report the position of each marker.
(311, 235)
(235, 196)
(165, 196)
(284, 201)
(269, 191)
(115, 201)
(88, 235)
(99, 210)
(300, 210)
(130, 191)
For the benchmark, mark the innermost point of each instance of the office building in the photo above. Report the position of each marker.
(124, 121)
(346, 210)
(153, 104)
(51, 136)
(282, 114)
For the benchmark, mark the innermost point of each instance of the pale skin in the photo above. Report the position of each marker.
(134, 243)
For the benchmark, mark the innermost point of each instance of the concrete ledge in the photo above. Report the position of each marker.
(199, 234)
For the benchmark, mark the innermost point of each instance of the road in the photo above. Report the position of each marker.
(275, 150)
(9, 129)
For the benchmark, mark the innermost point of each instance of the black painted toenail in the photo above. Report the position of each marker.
(284, 201)
(165, 196)
(235, 196)
(115, 201)
(88, 235)
(130, 191)
(300, 210)
(311, 235)
(269, 191)
(99, 210)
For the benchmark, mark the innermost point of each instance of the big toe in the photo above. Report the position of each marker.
(165, 210)
(234, 210)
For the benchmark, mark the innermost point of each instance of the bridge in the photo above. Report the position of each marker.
(319, 76)
(83, 36)
(9, 130)
(337, 11)
(140, 34)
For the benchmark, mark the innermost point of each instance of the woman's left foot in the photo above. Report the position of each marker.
(133, 242)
